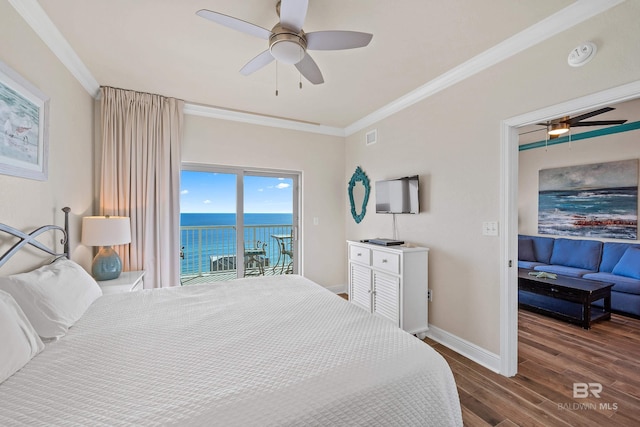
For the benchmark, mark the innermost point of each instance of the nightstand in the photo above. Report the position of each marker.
(128, 281)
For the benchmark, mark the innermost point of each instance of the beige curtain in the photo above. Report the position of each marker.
(141, 137)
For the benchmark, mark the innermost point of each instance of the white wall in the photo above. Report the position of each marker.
(452, 140)
(27, 204)
(320, 159)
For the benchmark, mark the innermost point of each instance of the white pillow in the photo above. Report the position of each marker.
(54, 296)
(20, 342)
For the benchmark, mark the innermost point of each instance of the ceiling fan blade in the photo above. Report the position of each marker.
(256, 63)
(309, 69)
(235, 23)
(531, 131)
(599, 123)
(293, 13)
(573, 120)
(337, 40)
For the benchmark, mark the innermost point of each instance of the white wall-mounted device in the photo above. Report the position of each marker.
(582, 54)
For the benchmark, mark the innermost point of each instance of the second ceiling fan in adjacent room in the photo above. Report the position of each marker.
(558, 127)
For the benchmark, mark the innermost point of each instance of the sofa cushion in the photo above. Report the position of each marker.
(611, 254)
(629, 264)
(529, 265)
(542, 247)
(623, 284)
(583, 254)
(563, 270)
(525, 250)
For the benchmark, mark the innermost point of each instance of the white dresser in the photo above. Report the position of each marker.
(391, 281)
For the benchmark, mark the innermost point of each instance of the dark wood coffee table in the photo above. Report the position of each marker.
(579, 294)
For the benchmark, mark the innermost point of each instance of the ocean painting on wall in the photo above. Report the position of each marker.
(598, 200)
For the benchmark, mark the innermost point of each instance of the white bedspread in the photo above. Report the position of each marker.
(278, 351)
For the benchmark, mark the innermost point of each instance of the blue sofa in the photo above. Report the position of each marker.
(617, 263)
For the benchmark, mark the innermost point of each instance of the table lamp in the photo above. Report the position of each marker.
(106, 231)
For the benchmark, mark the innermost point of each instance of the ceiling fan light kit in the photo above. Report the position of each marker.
(288, 43)
(558, 128)
(286, 46)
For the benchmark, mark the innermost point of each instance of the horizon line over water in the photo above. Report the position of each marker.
(218, 218)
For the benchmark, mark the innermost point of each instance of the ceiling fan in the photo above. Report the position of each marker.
(288, 43)
(557, 127)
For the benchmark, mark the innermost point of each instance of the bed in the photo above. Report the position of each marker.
(260, 351)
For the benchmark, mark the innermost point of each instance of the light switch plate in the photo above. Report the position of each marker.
(490, 228)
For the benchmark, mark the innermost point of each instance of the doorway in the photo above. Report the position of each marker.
(237, 222)
(509, 208)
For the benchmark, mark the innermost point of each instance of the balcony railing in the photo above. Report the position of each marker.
(211, 250)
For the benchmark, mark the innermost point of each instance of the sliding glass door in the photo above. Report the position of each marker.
(220, 244)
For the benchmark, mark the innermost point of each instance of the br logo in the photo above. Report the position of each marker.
(583, 390)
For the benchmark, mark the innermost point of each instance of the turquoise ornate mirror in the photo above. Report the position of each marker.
(359, 194)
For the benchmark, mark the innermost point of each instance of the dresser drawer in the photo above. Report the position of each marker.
(360, 254)
(386, 261)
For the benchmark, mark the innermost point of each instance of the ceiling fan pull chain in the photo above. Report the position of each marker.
(546, 140)
(299, 72)
(276, 78)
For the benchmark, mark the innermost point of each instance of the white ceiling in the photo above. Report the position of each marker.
(163, 47)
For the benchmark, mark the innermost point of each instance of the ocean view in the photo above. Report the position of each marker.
(207, 237)
(204, 219)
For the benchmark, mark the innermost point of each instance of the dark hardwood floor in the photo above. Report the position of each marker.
(553, 355)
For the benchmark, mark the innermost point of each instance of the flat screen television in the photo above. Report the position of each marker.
(398, 196)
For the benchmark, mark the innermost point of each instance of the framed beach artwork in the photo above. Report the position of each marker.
(599, 200)
(24, 115)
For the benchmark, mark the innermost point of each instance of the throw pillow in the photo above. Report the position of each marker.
(629, 264)
(525, 250)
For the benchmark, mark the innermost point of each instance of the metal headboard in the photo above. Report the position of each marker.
(30, 239)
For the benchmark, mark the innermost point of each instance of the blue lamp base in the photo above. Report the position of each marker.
(106, 265)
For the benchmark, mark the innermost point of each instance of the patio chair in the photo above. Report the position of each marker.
(285, 246)
(255, 257)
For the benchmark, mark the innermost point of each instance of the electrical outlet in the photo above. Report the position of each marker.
(430, 295)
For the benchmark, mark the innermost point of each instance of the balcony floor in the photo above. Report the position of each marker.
(218, 276)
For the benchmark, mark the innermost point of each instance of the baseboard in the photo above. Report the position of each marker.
(338, 289)
(469, 350)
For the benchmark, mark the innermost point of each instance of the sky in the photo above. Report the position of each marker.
(208, 192)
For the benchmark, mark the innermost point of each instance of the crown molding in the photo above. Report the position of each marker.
(554, 24)
(257, 119)
(39, 21)
(560, 21)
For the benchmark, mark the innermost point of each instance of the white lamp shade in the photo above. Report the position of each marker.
(106, 230)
